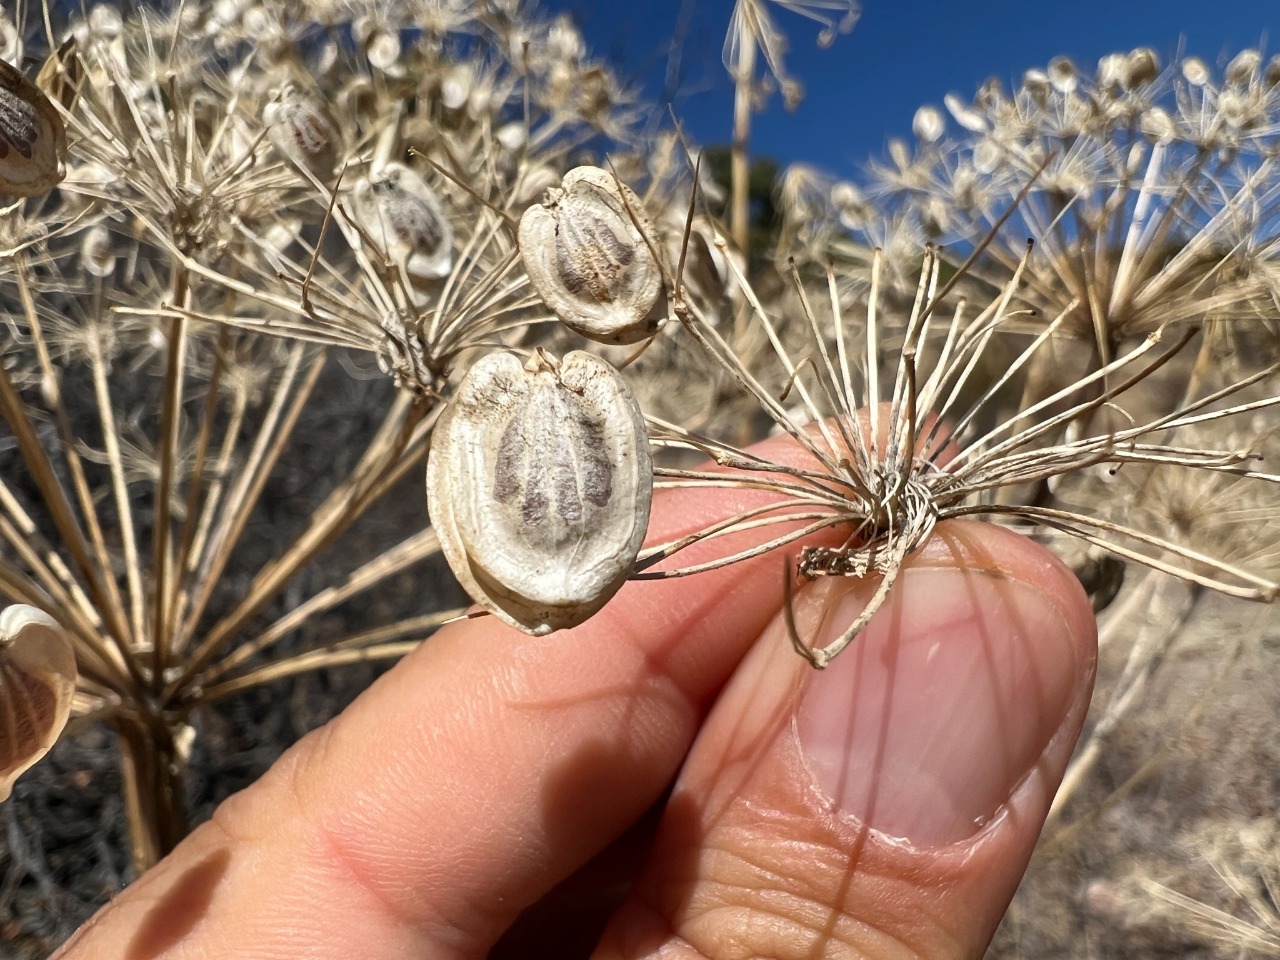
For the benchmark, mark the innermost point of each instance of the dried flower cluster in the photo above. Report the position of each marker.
(201, 508)
(1150, 193)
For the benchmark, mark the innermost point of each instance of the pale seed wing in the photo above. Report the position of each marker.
(37, 680)
(540, 482)
(588, 249)
(406, 219)
(301, 127)
(33, 141)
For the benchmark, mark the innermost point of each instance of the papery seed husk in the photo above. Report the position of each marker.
(539, 483)
(401, 214)
(588, 249)
(301, 127)
(37, 681)
(33, 141)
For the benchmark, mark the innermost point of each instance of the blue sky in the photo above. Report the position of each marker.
(866, 87)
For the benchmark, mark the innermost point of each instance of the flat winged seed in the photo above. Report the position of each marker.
(302, 129)
(404, 217)
(33, 141)
(37, 680)
(539, 484)
(588, 250)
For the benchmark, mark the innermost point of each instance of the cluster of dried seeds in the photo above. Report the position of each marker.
(540, 478)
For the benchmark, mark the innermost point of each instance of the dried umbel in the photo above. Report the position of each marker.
(33, 141)
(1150, 194)
(37, 679)
(404, 217)
(588, 249)
(539, 484)
(901, 439)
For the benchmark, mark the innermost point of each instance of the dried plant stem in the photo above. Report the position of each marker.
(60, 509)
(305, 663)
(170, 423)
(740, 167)
(196, 478)
(416, 548)
(151, 771)
(115, 462)
(399, 445)
(19, 530)
(84, 496)
(275, 430)
(213, 501)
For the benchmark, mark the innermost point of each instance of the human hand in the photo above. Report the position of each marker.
(885, 807)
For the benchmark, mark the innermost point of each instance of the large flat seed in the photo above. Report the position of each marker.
(588, 249)
(33, 141)
(539, 484)
(402, 215)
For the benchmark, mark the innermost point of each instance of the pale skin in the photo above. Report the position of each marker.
(883, 808)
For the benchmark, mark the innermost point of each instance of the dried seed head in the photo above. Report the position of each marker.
(37, 679)
(301, 127)
(1243, 68)
(588, 250)
(1113, 72)
(971, 119)
(1036, 83)
(403, 216)
(535, 180)
(511, 136)
(539, 483)
(383, 52)
(1271, 76)
(456, 86)
(987, 156)
(33, 142)
(1144, 66)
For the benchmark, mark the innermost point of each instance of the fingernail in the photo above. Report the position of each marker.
(924, 726)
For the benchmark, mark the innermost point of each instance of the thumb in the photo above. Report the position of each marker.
(887, 806)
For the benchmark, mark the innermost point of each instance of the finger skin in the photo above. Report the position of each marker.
(756, 856)
(464, 783)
